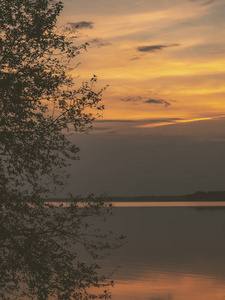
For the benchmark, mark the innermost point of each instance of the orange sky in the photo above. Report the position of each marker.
(160, 60)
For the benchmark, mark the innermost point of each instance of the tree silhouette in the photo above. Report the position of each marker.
(38, 107)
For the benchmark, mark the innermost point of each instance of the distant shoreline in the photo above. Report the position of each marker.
(195, 197)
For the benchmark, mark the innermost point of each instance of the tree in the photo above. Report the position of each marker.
(39, 107)
(38, 102)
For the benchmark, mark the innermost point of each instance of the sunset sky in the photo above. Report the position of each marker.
(163, 127)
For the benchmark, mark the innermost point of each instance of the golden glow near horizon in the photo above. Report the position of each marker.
(170, 286)
(161, 59)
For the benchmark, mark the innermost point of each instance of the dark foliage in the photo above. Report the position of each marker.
(38, 108)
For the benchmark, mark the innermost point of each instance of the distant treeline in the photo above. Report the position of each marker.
(198, 196)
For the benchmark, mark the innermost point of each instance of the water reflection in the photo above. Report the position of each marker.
(206, 204)
(172, 253)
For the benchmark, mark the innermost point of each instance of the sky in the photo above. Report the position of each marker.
(163, 128)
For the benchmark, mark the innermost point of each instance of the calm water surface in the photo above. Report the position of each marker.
(173, 253)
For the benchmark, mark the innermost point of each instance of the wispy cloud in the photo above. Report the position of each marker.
(153, 48)
(208, 2)
(135, 58)
(143, 121)
(158, 101)
(171, 121)
(204, 3)
(99, 43)
(132, 99)
(116, 126)
(115, 121)
(81, 25)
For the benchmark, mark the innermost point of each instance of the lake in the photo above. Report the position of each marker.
(173, 253)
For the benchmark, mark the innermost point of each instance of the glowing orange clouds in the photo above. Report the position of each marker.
(173, 122)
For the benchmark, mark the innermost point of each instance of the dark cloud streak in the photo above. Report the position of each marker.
(81, 25)
(139, 99)
(153, 48)
(158, 101)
